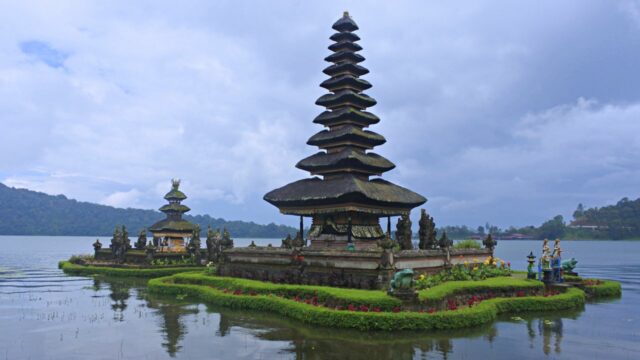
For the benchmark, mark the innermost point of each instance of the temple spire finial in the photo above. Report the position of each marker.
(345, 13)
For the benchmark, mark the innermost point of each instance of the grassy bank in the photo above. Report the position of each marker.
(596, 288)
(75, 269)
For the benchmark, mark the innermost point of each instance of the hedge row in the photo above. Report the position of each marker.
(75, 269)
(607, 288)
(497, 284)
(482, 313)
(325, 294)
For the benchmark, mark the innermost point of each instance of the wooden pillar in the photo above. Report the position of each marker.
(389, 226)
(302, 231)
(349, 239)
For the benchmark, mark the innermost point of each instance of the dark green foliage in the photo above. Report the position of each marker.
(552, 229)
(25, 212)
(74, 269)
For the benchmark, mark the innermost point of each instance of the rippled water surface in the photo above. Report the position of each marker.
(45, 314)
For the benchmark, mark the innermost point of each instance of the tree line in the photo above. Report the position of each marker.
(26, 212)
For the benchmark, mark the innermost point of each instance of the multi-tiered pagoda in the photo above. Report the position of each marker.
(170, 233)
(345, 202)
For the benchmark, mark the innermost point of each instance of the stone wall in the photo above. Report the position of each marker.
(366, 269)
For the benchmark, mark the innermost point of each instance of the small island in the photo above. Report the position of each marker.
(346, 271)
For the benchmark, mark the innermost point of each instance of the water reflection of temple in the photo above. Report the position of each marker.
(172, 327)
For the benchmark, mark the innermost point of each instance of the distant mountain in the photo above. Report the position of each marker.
(26, 212)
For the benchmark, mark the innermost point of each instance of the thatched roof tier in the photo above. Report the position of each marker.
(344, 193)
(345, 23)
(345, 56)
(345, 69)
(346, 116)
(176, 226)
(345, 98)
(347, 135)
(345, 82)
(346, 160)
(345, 45)
(175, 208)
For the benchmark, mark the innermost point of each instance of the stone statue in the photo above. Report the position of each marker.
(569, 265)
(97, 245)
(150, 250)
(125, 238)
(427, 232)
(403, 233)
(142, 240)
(445, 243)
(213, 245)
(287, 243)
(297, 241)
(194, 244)
(118, 244)
(227, 241)
(489, 242)
(402, 280)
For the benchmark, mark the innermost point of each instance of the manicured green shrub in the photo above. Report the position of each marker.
(467, 244)
(502, 284)
(596, 288)
(74, 269)
(325, 294)
(467, 317)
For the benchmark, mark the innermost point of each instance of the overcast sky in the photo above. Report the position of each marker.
(502, 112)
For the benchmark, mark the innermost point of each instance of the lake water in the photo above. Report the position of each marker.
(45, 314)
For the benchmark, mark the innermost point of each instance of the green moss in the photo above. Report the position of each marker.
(74, 269)
(607, 289)
(482, 313)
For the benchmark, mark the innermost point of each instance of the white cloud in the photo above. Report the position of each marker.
(220, 94)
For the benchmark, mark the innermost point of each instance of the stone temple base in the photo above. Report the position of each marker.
(364, 269)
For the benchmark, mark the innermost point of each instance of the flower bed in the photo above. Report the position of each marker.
(146, 272)
(312, 304)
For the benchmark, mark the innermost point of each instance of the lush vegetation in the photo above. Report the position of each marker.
(619, 221)
(75, 269)
(467, 244)
(466, 272)
(25, 212)
(255, 296)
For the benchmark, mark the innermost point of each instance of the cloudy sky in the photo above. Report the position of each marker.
(506, 112)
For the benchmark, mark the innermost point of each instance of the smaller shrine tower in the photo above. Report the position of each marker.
(170, 233)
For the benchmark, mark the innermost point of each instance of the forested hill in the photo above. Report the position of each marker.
(26, 212)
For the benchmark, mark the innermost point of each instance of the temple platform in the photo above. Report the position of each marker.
(363, 269)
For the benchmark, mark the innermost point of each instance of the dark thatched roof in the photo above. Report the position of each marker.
(347, 134)
(345, 23)
(177, 208)
(316, 195)
(344, 55)
(342, 97)
(348, 158)
(346, 115)
(345, 68)
(172, 225)
(345, 81)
